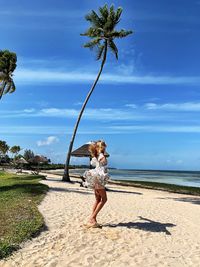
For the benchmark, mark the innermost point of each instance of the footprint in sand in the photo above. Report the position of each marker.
(112, 235)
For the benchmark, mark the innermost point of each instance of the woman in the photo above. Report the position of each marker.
(97, 178)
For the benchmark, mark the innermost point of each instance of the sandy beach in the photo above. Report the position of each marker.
(140, 227)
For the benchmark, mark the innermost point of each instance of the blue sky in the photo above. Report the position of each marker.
(146, 105)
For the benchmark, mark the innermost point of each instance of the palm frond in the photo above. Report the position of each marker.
(13, 88)
(113, 18)
(2, 76)
(92, 43)
(7, 66)
(112, 12)
(8, 61)
(1, 91)
(118, 14)
(104, 13)
(2, 86)
(103, 29)
(110, 23)
(93, 32)
(100, 51)
(10, 87)
(94, 19)
(120, 34)
(7, 88)
(113, 48)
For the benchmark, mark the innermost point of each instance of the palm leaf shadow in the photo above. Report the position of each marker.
(148, 225)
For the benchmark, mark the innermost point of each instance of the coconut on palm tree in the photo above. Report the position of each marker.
(7, 66)
(102, 33)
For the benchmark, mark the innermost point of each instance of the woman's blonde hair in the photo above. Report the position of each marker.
(92, 149)
(97, 147)
(100, 146)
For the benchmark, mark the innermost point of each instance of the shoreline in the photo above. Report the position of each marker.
(172, 188)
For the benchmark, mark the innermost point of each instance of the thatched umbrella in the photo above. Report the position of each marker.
(83, 151)
(38, 159)
(21, 161)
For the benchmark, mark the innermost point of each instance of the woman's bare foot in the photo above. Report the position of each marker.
(92, 221)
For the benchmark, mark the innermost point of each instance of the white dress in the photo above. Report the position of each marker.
(98, 177)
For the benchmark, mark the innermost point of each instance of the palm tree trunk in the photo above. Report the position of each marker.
(66, 170)
(2, 89)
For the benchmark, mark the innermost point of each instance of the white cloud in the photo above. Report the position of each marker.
(29, 110)
(28, 76)
(187, 106)
(48, 141)
(56, 112)
(155, 128)
(174, 161)
(131, 106)
(78, 104)
(106, 129)
(61, 130)
(101, 114)
(126, 69)
(131, 112)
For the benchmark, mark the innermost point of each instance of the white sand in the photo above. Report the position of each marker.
(140, 228)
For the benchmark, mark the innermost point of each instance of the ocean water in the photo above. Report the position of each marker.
(186, 178)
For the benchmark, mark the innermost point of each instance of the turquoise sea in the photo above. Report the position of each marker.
(186, 178)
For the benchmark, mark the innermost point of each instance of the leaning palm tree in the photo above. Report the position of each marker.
(7, 66)
(102, 32)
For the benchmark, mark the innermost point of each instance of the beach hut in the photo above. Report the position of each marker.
(38, 159)
(83, 151)
(21, 161)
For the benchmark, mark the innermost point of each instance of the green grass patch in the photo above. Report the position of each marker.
(161, 186)
(19, 216)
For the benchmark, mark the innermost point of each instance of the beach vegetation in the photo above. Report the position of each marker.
(28, 154)
(19, 216)
(15, 150)
(4, 148)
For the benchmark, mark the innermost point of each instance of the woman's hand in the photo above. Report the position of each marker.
(93, 162)
(103, 160)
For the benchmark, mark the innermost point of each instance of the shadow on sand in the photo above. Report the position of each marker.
(122, 191)
(148, 225)
(82, 190)
(69, 189)
(193, 200)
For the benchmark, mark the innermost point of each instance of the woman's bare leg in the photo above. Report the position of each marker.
(98, 199)
(100, 204)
